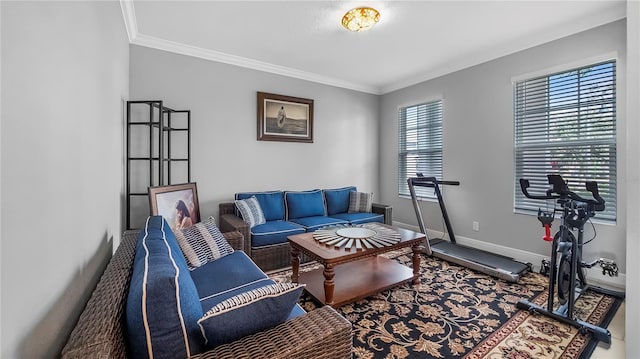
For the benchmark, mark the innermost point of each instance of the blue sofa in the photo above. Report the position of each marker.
(293, 212)
(110, 327)
(167, 300)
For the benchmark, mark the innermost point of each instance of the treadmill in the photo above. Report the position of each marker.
(492, 264)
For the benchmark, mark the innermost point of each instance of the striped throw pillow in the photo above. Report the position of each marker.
(251, 211)
(202, 243)
(360, 202)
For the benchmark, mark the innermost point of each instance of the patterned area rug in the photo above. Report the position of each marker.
(455, 312)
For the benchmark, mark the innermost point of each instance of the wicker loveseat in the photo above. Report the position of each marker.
(267, 244)
(100, 331)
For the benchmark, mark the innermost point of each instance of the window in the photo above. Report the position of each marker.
(420, 145)
(566, 123)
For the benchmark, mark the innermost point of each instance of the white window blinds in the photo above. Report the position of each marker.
(565, 123)
(419, 145)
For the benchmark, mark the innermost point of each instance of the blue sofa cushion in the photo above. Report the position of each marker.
(359, 218)
(271, 202)
(250, 211)
(304, 204)
(337, 199)
(249, 312)
(274, 232)
(226, 277)
(296, 312)
(163, 306)
(360, 202)
(203, 242)
(316, 222)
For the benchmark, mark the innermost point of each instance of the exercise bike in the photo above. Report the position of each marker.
(566, 268)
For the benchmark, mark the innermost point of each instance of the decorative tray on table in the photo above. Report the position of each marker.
(360, 237)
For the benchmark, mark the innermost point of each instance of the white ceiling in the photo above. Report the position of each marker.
(414, 40)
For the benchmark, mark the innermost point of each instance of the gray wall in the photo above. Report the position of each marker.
(226, 156)
(64, 76)
(633, 174)
(478, 145)
(633, 211)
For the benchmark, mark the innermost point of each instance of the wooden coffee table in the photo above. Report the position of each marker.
(349, 274)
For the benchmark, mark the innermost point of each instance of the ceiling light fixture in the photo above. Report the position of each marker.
(360, 19)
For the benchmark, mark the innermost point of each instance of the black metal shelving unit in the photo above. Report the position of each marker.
(151, 143)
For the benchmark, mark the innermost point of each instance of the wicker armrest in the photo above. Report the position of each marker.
(229, 222)
(322, 333)
(383, 209)
(235, 239)
(227, 208)
(99, 332)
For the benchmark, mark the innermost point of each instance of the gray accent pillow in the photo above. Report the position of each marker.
(360, 202)
(251, 211)
(202, 243)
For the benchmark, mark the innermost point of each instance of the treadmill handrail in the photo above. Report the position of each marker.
(470, 262)
(431, 182)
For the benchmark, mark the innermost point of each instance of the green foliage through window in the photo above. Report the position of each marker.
(566, 123)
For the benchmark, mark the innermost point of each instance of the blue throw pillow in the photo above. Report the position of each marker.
(249, 312)
(304, 204)
(337, 199)
(163, 305)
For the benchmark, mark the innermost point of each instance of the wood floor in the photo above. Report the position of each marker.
(617, 348)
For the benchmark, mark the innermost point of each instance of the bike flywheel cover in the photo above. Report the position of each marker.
(564, 278)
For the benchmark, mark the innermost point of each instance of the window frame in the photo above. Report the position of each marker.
(402, 175)
(610, 140)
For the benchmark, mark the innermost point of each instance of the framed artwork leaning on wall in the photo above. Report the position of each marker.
(178, 204)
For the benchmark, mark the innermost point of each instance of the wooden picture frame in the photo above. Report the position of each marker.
(284, 118)
(178, 204)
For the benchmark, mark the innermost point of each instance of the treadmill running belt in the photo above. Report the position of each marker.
(479, 256)
(476, 259)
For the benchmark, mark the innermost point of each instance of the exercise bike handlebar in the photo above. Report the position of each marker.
(561, 190)
(524, 185)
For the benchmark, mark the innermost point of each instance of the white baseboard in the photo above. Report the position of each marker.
(594, 275)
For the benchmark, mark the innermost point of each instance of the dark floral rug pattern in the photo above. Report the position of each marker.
(456, 312)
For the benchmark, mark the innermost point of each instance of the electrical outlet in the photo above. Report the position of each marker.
(476, 226)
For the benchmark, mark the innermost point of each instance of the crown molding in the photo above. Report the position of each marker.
(188, 50)
(129, 15)
(540, 38)
(136, 38)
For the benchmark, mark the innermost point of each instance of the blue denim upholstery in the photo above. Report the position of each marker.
(163, 304)
(293, 212)
(236, 273)
(273, 232)
(249, 313)
(304, 204)
(271, 202)
(166, 300)
(296, 312)
(337, 199)
(360, 217)
(313, 223)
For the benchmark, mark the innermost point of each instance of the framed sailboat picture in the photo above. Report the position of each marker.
(284, 118)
